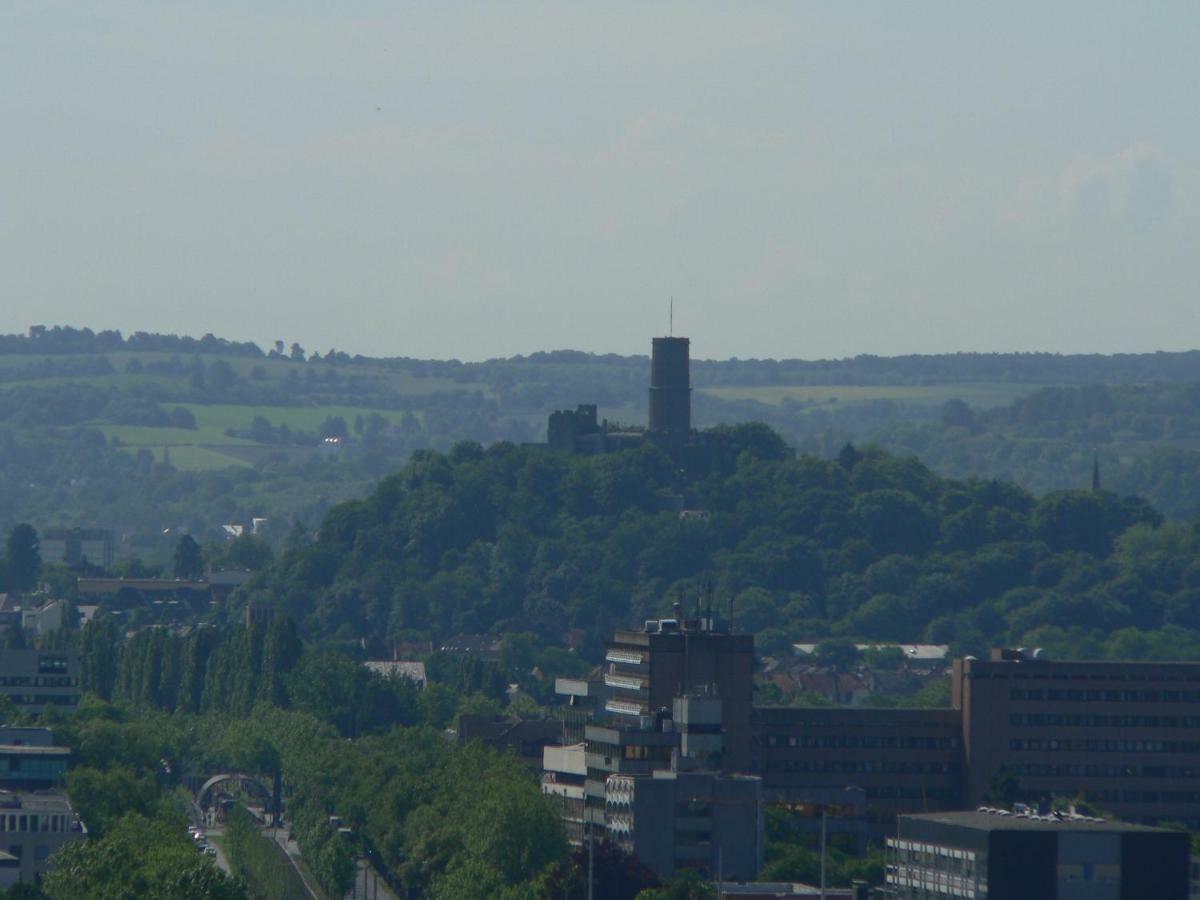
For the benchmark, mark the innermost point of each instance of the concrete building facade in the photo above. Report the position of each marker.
(32, 827)
(1122, 736)
(700, 820)
(36, 679)
(996, 855)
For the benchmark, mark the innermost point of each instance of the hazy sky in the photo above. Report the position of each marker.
(454, 180)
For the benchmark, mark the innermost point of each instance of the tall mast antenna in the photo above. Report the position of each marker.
(671, 323)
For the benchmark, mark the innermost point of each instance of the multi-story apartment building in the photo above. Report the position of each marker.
(35, 679)
(1123, 736)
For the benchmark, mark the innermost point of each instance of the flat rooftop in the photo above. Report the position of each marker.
(31, 750)
(34, 801)
(1010, 821)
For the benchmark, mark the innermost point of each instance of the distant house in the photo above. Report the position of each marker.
(75, 545)
(36, 616)
(154, 589)
(842, 688)
(413, 670)
(479, 646)
(927, 654)
(525, 737)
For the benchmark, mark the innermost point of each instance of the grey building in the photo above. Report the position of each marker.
(75, 546)
(993, 854)
(676, 819)
(32, 827)
(564, 773)
(36, 679)
(29, 760)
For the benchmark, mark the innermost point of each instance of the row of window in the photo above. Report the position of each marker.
(40, 699)
(33, 822)
(861, 766)
(50, 664)
(1073, 770)
(1080, 721)
(1068, 745)
(1083, 676)
(1094, 694)
(37, 681)
(864, 742)
(1103, 796)
(948, 797)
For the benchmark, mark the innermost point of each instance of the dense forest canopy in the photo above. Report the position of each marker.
(869, 545)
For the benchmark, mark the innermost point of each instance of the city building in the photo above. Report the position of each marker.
(790, 890)
(77, 546)
(36, 616)
(411, 670)
(669, 658)
(32, 827)
(903, 760)
(36, 679)
(677, 819)
(992, 854)
(564, 773)
(1122, 737)
(1125, 737)
(584, 705)
(29, 760)
(666, 764)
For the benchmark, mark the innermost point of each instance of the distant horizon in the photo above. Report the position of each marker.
(267, 346)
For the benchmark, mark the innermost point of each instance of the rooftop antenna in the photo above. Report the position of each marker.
(671, 321)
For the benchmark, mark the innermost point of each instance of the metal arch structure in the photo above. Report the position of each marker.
(246, 782)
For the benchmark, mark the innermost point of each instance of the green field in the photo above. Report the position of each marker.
(208, 447)
(981, 394)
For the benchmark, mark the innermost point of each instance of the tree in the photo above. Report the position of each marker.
(24, 557)
(848, 457)
(189, 560)
(221, 376)
(141, 857)
(838, 654)
(1003, 787)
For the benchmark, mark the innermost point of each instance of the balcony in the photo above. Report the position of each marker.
(625, 657)
(625, 708)
(625, 682)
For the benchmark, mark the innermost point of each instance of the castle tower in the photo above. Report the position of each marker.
(670, 391)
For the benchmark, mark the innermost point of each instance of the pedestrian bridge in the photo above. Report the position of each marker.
(232, 780)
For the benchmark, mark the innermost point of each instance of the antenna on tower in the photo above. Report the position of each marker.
(671, 322)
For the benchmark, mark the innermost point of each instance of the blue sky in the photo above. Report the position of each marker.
(459, 180)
